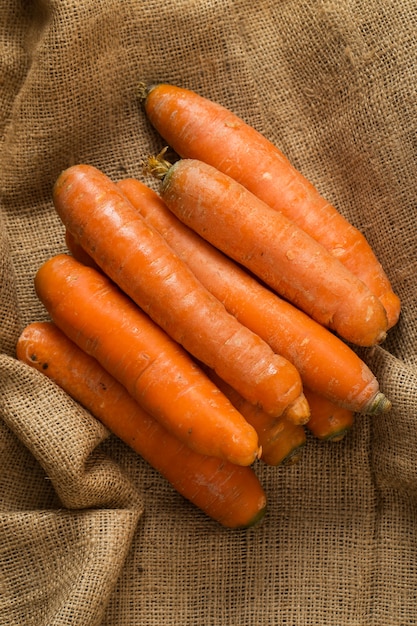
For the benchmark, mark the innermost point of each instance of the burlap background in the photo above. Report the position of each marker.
(89, 533)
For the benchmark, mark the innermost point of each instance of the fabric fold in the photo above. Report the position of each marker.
(60, 563)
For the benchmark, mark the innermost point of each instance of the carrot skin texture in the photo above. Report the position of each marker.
(198, 128)
(326, 364)
(272, 247)
(155, 370)
(78, 252)
(230, 494)
(279, 438)
(140, 261)
(287, 445)
(328, 420)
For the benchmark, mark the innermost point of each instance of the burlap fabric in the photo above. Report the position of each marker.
(90, 534)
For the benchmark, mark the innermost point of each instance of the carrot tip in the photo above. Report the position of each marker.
(298, 411)
(255, 519)
(338, 436)
(379, 404)
(293, 457)
(381, 338)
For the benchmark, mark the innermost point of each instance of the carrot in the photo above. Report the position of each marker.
(264, 241)
(230, 494)
(326, 364)
(281, 440)
(140, 261)
(78, 251)
(198, 128)
(328, 420)
(155, 370)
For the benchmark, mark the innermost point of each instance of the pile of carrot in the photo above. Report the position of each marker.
(211, 325)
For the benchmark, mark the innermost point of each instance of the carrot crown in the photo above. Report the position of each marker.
(143, 90)
(157, 166)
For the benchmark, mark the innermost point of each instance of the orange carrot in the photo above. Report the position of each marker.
(155, 370)
(287, 259)
(280, 439)
(229, 494)
(78, 251)
(287, 446)
(326, 364)
(140, 261)
(328, 420)
(198, 128)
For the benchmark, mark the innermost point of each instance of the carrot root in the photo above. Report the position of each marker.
(230, 494)
(273, 248)
(328, 421)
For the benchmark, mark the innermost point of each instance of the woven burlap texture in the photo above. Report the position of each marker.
(89, 533)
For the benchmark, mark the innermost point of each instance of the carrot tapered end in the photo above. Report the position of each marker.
(379, 404)
(293, 457)
(255, 520)
(299, 411)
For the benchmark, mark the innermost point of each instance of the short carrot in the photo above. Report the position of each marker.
(326, 364)
(281, 440)
(139, 260)
(277, 251)
(230, 494)
(198, 128)
(328, 420)
(156, 371)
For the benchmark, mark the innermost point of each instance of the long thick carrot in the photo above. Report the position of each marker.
(198, 128)
(286, 258)
(328, 420)
(280, 439)
(139, 260)
(326, 364)
(230, 494)
(155, 370)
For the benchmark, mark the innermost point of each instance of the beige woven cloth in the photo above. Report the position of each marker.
(89, 533)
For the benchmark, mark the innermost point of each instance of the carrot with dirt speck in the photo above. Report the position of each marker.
(230, 494)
